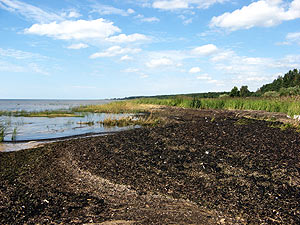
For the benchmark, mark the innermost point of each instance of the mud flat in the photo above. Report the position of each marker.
(201, 167)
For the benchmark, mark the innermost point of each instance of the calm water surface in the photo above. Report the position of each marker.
(30, 129)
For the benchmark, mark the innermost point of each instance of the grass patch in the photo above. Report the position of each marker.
(89, 123)
(289, 106)
(53, 115)
(145, 120)
(285, 126)
(243, 121)
(114, 107)
(47, 113)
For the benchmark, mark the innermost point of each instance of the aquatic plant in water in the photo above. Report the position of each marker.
(14, 134)
(3, 128)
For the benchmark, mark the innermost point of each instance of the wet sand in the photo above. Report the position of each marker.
(201, 167)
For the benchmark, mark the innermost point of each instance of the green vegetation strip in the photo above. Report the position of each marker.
(113, 107)
(50, 114)
(289, 106)
(130, 121)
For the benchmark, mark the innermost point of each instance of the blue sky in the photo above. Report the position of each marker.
(94, 49)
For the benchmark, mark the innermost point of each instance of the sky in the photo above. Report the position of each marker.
(96, 49)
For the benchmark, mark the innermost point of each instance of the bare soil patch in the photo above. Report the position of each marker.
(202, 167)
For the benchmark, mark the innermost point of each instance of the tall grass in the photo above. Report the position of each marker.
(290, 106)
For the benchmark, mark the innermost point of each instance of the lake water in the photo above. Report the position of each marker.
(28, 129)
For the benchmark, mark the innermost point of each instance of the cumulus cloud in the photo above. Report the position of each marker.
(77, 30)
(205, 50)
(78, 46)
(184, 4)
(114, 51)
(29, 11)
(123, 38)
(263, 13)
(255, 71)
(154, 63)
(195, 70)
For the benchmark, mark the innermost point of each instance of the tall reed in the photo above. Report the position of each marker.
(289, 106)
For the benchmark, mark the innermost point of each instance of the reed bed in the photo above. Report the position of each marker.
(289, 106)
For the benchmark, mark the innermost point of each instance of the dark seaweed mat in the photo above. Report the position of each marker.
(249, 172)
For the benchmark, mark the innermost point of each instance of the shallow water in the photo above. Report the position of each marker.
(38, 128)
(26, 129)
(44, 104)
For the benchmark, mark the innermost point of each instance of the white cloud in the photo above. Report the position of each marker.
(18, 54)
(205, 50)
(37, 69)
(170, 5)
(110, 10)
(114, 51)
(195, 70)
(263, 13)
(293, 38)
(253, 71)
(131, 70)
(204, 77)
(130, 11)
(184, 4)
(143, 76)
(142, 18)
(208, 79)
(154, 63)
(150, 19)
(123, 38)
(74, 14)
(29, 11)
(78, 46)
(9, 67)
(78, 30)
(126, 57)
(223, 55)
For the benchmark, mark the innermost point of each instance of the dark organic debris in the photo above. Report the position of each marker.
(202, 167)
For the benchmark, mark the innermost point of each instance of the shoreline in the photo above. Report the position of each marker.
(202, 167)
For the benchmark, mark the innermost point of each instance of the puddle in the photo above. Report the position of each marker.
(22, 145)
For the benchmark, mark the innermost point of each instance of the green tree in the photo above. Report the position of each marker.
(234, 92)
(244, 91)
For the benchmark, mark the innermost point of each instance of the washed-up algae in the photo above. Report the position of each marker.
(202, 167)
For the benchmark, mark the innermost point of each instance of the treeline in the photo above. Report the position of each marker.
(194, 95)
(286, 85)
